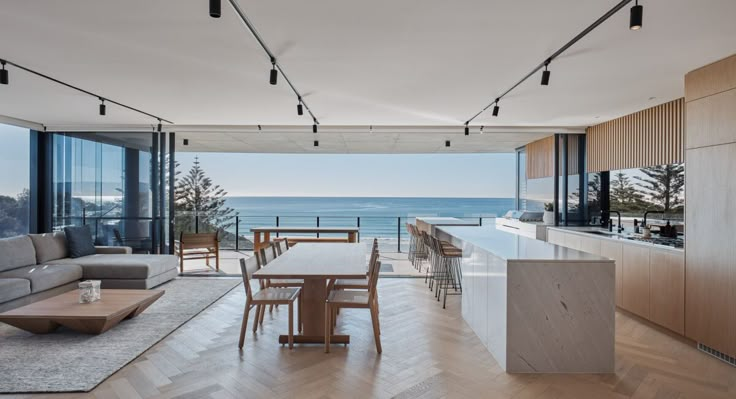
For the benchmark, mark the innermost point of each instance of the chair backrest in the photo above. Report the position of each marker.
(373, 281)
(266, 255)
(426, 240)
(248, 267)
(372, 261)
(280, 247)
(198, 240)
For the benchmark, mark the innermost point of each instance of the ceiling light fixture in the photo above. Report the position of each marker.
(545, 74)
(447, 143)
(3, 74)
(276, 68)
(4, 80)
(299, 108)
(273, 79)
(636, 13)
(102, 106)
(186, 141)
(159, 126)
(636, 16)
(215, 8)
(481, 129)
(316, 143)
(314, 128)
(259, 128)
(467, 130)
(370, 129)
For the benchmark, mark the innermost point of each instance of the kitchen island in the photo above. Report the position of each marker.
(537, 307)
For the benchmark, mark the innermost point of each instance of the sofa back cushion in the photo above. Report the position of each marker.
(79, 241)
(49, 246)
(16, 252)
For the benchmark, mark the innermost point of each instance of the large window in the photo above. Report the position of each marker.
(105, 185)
(14, 181)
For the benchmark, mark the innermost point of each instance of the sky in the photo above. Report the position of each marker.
(359, 175)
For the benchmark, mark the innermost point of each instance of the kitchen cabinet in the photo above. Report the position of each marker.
(667, 289)
(635, 269)
(556, 237)
(650, 281)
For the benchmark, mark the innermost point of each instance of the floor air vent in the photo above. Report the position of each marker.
(717, 354)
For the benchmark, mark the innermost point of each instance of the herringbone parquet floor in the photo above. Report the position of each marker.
(428, 352)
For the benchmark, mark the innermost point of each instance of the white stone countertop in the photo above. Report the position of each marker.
(513, 247)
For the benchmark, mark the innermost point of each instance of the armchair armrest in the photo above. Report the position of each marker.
(107, 250)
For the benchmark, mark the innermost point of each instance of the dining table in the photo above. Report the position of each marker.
(317, 264)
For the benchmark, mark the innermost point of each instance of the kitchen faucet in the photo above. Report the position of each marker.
(620, 228)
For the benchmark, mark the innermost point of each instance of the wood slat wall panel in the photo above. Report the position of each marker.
(653, 136)
(540, 158)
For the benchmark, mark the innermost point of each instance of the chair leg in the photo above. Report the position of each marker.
(244, 325)
(263, 314)
(299, 314)
(376, 331)
(256, 318)
(270, 308)
(328, 323)
(181, 263)
(291, 325)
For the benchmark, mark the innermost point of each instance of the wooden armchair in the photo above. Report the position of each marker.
(198, 246)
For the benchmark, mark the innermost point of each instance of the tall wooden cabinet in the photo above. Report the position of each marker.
(710, 268)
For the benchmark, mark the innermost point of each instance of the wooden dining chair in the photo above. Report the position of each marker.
(264, 257)
(362, 283)
(265, 296)
(354, 299)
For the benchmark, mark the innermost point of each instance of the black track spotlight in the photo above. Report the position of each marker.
(159, 126)
(186, 141)
(274, 73)
(3, 74)
(215, 8)
(300, 108)
(447, 143)
(637, 16)
(496, 108)
(314, 128)
(102, 107)
(316, 143)
(545, 75)
(481, 129)
(467, 130)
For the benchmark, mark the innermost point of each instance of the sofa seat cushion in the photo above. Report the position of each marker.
(122, 266)
(14, 288)
(16, 252)
(45, 277)
(49, 246)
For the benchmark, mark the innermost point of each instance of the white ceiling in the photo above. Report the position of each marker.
(426, 64)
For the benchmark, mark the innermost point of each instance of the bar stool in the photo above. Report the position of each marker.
(420, 249)
(449, 269)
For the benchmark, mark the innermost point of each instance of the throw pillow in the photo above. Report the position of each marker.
(79, 241)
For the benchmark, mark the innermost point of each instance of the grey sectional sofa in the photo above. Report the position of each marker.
(37, 266)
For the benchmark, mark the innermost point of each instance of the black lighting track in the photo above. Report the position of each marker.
(271, 57)
(554, 55)
(79, 89)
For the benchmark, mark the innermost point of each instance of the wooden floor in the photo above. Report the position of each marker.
(428, 352)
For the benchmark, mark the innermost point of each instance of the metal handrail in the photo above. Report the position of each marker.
(391, 231)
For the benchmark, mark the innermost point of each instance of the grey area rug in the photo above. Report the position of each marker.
(66, 361)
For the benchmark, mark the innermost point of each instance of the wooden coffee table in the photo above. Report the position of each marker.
(91, 318)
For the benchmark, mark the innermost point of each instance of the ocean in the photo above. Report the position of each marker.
(379, 217)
